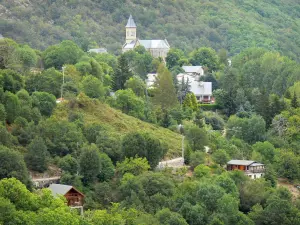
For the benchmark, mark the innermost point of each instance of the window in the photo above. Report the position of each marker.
(132, 33)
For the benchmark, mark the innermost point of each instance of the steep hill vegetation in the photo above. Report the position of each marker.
(118, 123)
(187, 24)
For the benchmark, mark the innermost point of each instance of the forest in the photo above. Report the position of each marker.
(187, 24)
(109, 131)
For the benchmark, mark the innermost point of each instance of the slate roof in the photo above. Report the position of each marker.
(154, 43)
(240, 162)
(129, 45)
(148, 44)
(61, 189)
(130, 22)
(191, 69)
(197, 87)
(257, 164)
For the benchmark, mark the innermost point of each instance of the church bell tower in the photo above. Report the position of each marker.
(130, 30)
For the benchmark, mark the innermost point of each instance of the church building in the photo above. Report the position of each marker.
(157, 48)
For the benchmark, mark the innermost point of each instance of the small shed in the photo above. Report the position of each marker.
(73, 196)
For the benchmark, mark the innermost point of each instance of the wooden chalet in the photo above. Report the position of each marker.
(251, 168)
(74, 197)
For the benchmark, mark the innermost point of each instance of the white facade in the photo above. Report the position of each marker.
(255, 175)
(151, 78)
(251, 169)
(202, 90)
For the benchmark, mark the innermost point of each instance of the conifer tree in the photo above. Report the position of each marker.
(164, 94)
(294, 102)
(36, 158)
(122, 74)
(190, 101)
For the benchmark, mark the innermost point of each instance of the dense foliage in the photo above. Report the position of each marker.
(187, 25)
(109, 131)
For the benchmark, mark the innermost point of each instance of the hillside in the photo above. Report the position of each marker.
(187, 24)
(121, 124)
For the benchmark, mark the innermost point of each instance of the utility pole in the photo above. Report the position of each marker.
(62, 86)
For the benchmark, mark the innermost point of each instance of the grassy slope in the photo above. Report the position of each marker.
(230, 24)
(120, 123)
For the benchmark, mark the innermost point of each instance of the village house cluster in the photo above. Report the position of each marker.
(191, 75)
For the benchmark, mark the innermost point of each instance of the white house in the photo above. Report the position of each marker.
(202, 90)
(157, 48)
(251, 168)
(151, 78)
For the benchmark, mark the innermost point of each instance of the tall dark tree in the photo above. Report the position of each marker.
(89, 163)
(173, 58)
(36, 157)
(143, 145)
(122, 73)
(45, 102)
(164, 93)
(12, 165)
(294, 102)
(205, 57)
(197, 138)
(12, 106)
(134, 144)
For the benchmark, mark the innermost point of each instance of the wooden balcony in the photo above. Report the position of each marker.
(255, 171)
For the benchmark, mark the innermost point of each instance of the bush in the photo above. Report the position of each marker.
(209, 107)
(201, 171)
(197, 158)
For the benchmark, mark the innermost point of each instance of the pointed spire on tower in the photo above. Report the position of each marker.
(130, 22)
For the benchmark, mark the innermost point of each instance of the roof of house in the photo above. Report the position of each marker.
(240, 162)
(61, 189)
(154, 43)
(191, 69)
(196, 86)
(98, 50)
(130, 22)
(257, 164)
(148, 44)
(130, 45)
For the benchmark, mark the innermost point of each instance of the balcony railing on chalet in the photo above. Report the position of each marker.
(255, 171)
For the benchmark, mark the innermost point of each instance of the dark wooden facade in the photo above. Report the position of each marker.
(74, 197)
